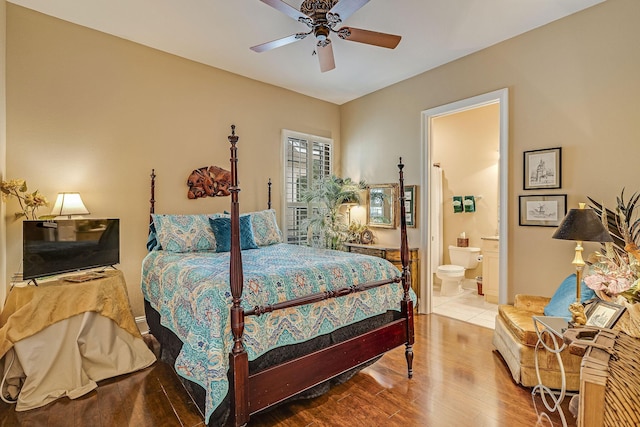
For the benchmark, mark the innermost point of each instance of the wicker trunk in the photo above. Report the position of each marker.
(609, 382)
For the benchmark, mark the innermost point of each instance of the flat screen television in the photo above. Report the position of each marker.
(60, 246)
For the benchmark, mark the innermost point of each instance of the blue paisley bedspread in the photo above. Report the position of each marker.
(192, 294)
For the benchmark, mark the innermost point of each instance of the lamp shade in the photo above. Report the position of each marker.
(582, 225)
(68, 204)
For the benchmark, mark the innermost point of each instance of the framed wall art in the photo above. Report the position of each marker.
(543, 169)
(544, 210)
(410, 204)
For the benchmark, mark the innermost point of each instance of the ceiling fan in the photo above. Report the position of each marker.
(322, 16)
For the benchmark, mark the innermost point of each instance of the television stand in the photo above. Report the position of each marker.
(90, 324)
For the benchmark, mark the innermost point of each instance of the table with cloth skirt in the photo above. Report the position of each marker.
(59, 338)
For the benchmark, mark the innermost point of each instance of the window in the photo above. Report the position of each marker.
(307, 159)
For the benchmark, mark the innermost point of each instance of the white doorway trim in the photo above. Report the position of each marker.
(501, 97)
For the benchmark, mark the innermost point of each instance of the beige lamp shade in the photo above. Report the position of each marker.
(68, 204)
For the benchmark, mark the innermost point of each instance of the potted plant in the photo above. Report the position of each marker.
(325, 224)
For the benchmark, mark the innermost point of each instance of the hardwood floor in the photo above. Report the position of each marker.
(458, 381)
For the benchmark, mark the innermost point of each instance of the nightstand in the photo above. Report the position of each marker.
(392, 254)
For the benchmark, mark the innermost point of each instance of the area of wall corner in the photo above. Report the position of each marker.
(3, 146)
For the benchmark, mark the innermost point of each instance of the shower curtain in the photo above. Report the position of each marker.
(436, 217)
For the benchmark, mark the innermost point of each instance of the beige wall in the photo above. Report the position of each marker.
(93, 113)
(573, 83)
(466, 146)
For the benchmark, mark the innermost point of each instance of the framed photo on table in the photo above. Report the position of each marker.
(604, 314)
(544, 210)
(543, 169)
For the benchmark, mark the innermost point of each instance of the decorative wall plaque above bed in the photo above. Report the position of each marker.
(209, 181)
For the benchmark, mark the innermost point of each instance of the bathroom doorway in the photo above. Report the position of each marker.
(480, 182)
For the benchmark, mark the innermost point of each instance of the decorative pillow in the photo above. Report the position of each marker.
(185, 233)
(565, 295)
(152, 239)
(222, 230)
(265, 227)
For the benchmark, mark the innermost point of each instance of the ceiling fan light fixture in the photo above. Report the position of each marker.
(322, 33)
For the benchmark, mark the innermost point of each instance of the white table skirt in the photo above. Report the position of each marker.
(68, 358)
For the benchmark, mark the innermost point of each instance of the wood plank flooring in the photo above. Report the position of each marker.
(458, 381)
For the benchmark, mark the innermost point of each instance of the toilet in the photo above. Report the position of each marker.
(462, 258)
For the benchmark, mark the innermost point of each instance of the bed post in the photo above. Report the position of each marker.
(269, 200)
(238, 359)
(407, 303)
(152, 200)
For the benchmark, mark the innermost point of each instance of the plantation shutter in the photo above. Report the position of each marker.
(308, 158)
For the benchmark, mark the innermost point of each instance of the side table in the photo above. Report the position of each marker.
(60, 338)
(550, 330)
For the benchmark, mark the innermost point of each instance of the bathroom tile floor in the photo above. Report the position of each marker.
(467, 306)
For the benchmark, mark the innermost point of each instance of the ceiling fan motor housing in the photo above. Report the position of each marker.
(310, 7)
(321, 20)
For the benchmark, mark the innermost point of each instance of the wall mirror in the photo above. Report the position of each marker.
(382, 206)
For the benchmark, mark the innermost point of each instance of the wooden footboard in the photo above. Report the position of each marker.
(251, 393)
(280, 382)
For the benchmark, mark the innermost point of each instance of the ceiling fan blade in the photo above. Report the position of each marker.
(325, 56)
(345, 8)
(389, 41)
(279, 42)
(286, 9)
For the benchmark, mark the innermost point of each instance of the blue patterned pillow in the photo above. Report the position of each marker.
(222, 230)
(185, 233)
(265, 227)
(565, 295)
(152, 239)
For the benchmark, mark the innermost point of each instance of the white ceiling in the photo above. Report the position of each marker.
(220, 32)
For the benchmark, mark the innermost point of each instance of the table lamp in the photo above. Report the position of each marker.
(581, 225)
(349, 205)
(68, 204)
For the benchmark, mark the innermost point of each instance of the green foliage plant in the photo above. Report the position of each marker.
(325, 225)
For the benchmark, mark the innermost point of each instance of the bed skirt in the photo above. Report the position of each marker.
(171, 346)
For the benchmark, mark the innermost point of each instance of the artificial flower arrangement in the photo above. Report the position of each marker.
(29, 201)
(355, 230)
(616, 270)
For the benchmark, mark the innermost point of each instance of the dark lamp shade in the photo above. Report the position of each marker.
(582, 225)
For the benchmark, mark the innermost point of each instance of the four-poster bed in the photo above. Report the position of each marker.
(281, 331)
